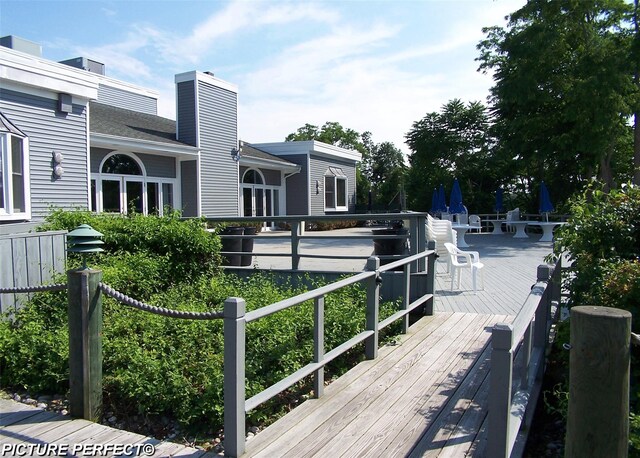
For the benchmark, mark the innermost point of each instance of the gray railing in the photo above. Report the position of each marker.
(419, 288)
(414, 222)
(513, 393)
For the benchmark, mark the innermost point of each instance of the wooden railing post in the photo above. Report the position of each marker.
(318, 345)
(431, 277)
(498, 443)
(295, 245)
(598, 417)
(373, 305)
(234, 376)
(85, 343)
(543, 312)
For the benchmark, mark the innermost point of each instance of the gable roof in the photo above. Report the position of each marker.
(250, 155)
(120, 122)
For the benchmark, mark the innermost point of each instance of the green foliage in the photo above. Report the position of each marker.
(172, 249)
(603, 242)
(454, 143)
(563, 92)
(166, 366)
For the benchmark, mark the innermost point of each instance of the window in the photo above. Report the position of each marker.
(335, 189)
(14, 172)
(122, 186)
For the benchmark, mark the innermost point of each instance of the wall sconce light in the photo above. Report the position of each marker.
(56, 163)
(235, 154)
(317, 186)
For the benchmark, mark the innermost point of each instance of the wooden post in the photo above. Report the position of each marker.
(373, 309)
(318, 345)
(431, 277)
(84, 310)
(598, 418)
(498, 443)
(295, 245)
(234, 376)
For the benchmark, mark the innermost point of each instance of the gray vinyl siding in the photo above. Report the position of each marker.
(49, 130)
(189, 188)
(297, 189)
(218, 137)
(318, 167)
(156, 166)
(129, 100)
(186, 113)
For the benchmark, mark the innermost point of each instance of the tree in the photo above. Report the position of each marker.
(456, 142)
(385, 169)
(563, 91)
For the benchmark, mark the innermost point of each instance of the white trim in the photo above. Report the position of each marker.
(288, 167)
(88, 147)
(264, 182)
(335, 208)
(309, 147)
(7, 177)
(28, 70)
(199, 187)
(143, 146)
(206, 78)
(123, 153)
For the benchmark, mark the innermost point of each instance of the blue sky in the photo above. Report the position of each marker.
(369, 65)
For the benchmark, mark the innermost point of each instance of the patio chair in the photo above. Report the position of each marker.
(475, 222)
(459, 260)
(441, 232)
(512, 215)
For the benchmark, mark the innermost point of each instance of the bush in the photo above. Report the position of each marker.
(602, 241)
(172, 249)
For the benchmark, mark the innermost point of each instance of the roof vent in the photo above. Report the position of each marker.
(22, 45)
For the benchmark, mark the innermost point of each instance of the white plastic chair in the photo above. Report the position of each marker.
(441, 232)
(459, 260)
(512, 215)
(475, 222)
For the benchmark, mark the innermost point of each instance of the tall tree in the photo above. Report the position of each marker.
(563, 90)
(455, 142)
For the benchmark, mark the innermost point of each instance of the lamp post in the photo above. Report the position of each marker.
(84, 310)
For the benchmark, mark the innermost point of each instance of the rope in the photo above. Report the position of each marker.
(34, 289)
(635, 339)
(126, 300)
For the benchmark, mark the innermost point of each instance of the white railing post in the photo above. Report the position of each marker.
(318, 345)
(234, 376)
(373, 308)
(498, 443)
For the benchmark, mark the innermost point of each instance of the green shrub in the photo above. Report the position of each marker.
(602, 241)
(159, 365)
(184, 249)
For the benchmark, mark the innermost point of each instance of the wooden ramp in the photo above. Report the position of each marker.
(424, 396)
(22, 424)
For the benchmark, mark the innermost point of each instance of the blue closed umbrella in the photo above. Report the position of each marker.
(499, 206)
(545, 202)
(442, 200)
(455, 203)
(434, 201)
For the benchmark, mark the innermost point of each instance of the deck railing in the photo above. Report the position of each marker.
(513, 393)
(414, 222)
(236, 320)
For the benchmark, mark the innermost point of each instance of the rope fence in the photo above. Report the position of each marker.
(185, 315)
(34, 289)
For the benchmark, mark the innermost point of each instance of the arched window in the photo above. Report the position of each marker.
(121, 164)
(252, 176)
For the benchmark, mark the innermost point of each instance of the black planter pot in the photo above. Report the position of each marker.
(232, 245)
(247, 246)
(385, 247)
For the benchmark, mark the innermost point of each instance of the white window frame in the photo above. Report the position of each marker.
(335, 174)
(6, 212)
(123, 178)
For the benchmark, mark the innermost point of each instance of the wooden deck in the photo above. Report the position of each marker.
(22, 424)
(424, 396)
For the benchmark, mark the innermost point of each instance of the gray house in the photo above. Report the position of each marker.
(72, 137)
